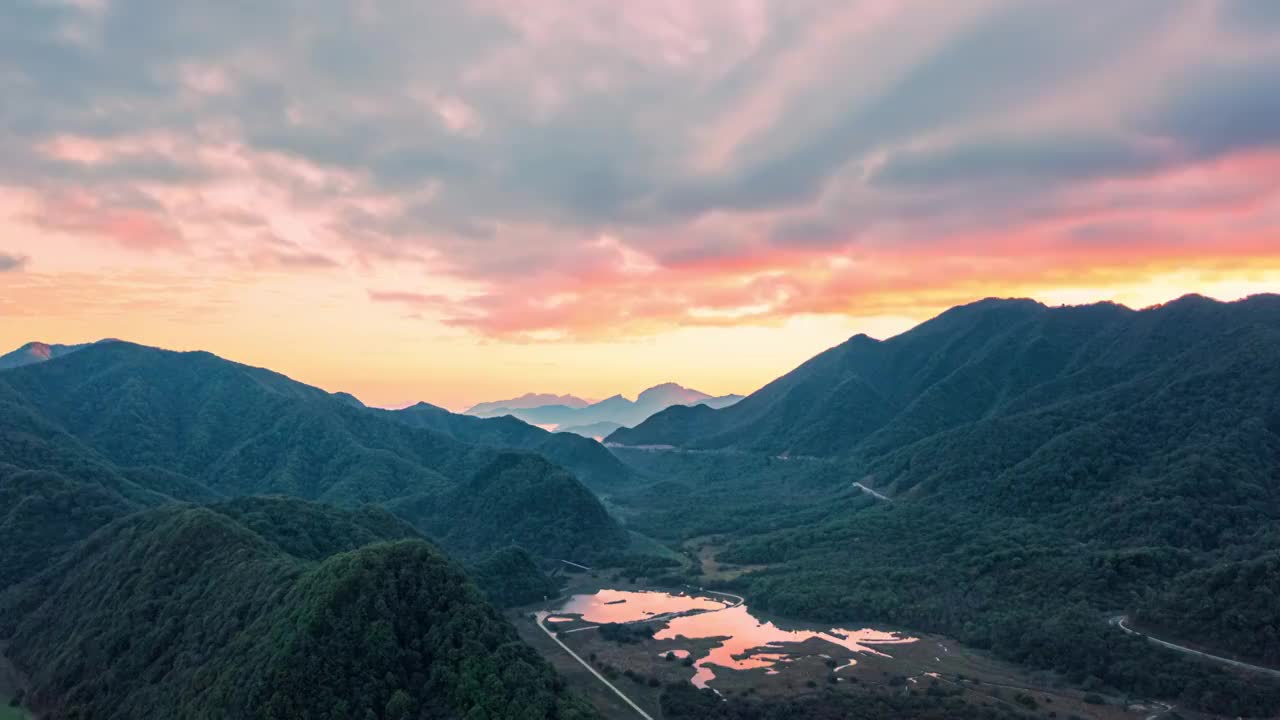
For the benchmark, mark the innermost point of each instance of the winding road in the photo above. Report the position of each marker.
(1120, 620)
(542, 616)
(737, 598)
(872, 493)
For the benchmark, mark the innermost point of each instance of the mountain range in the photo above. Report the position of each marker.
(187, 536)
(601, 418)
(973, 363)
(193, 427)
(193, 537)
(525, 402)
(1009, 473)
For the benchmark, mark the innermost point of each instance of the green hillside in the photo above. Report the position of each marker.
(521, 499)
(189, 537)
(588, 460)
(151, 426)
(185, 611)
(1046, 466)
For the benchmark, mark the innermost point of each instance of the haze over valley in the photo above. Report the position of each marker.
(598, 419)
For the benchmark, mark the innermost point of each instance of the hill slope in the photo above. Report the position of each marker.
(991, 358)
(245, 611)
(1044, 466)
(589, 460)
(517, 499)
(152, 426)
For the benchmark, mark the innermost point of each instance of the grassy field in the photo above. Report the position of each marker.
(909, 668)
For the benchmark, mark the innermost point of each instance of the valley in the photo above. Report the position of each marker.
(914, 528)
(647, 360)
(642, 642)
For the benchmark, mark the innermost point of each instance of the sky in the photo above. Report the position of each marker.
(465, 200)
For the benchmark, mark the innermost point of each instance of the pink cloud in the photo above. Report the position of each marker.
(131, 228)
(575, 170)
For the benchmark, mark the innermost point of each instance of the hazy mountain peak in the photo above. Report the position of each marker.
(37, 352)
(525, 402)
(670, 393)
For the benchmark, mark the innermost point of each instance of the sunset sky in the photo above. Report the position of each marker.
(462, 200)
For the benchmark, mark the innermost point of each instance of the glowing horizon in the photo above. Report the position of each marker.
(467, 200)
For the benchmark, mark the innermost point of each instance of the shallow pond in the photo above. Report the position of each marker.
(743, 641)
(623, 606)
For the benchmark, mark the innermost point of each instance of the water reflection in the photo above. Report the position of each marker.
(741, 641)
(749, 643)
(620, 606)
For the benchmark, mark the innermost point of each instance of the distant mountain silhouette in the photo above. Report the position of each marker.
(608, 414)
(524, 402)
(598, 430)
(38, 352)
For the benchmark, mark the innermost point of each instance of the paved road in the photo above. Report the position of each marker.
(872, 493)
(738, 599)
(1120, 620)
(541, 616)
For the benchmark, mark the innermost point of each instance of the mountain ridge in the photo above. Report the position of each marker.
(1033, 469)
(155, 426)
(37, 352)
(524, 402)
(871, 381)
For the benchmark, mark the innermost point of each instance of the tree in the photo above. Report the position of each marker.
(400, 706)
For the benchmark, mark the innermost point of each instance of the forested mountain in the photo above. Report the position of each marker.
(1045, 466)
(994, 358)
(267, 609)
(120, 600)
(517, 499)
(588, 459)
(43, 514)
(151, 425)
(1045, 469)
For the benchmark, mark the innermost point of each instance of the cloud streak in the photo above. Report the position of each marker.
(12, 263)
(575, 170)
